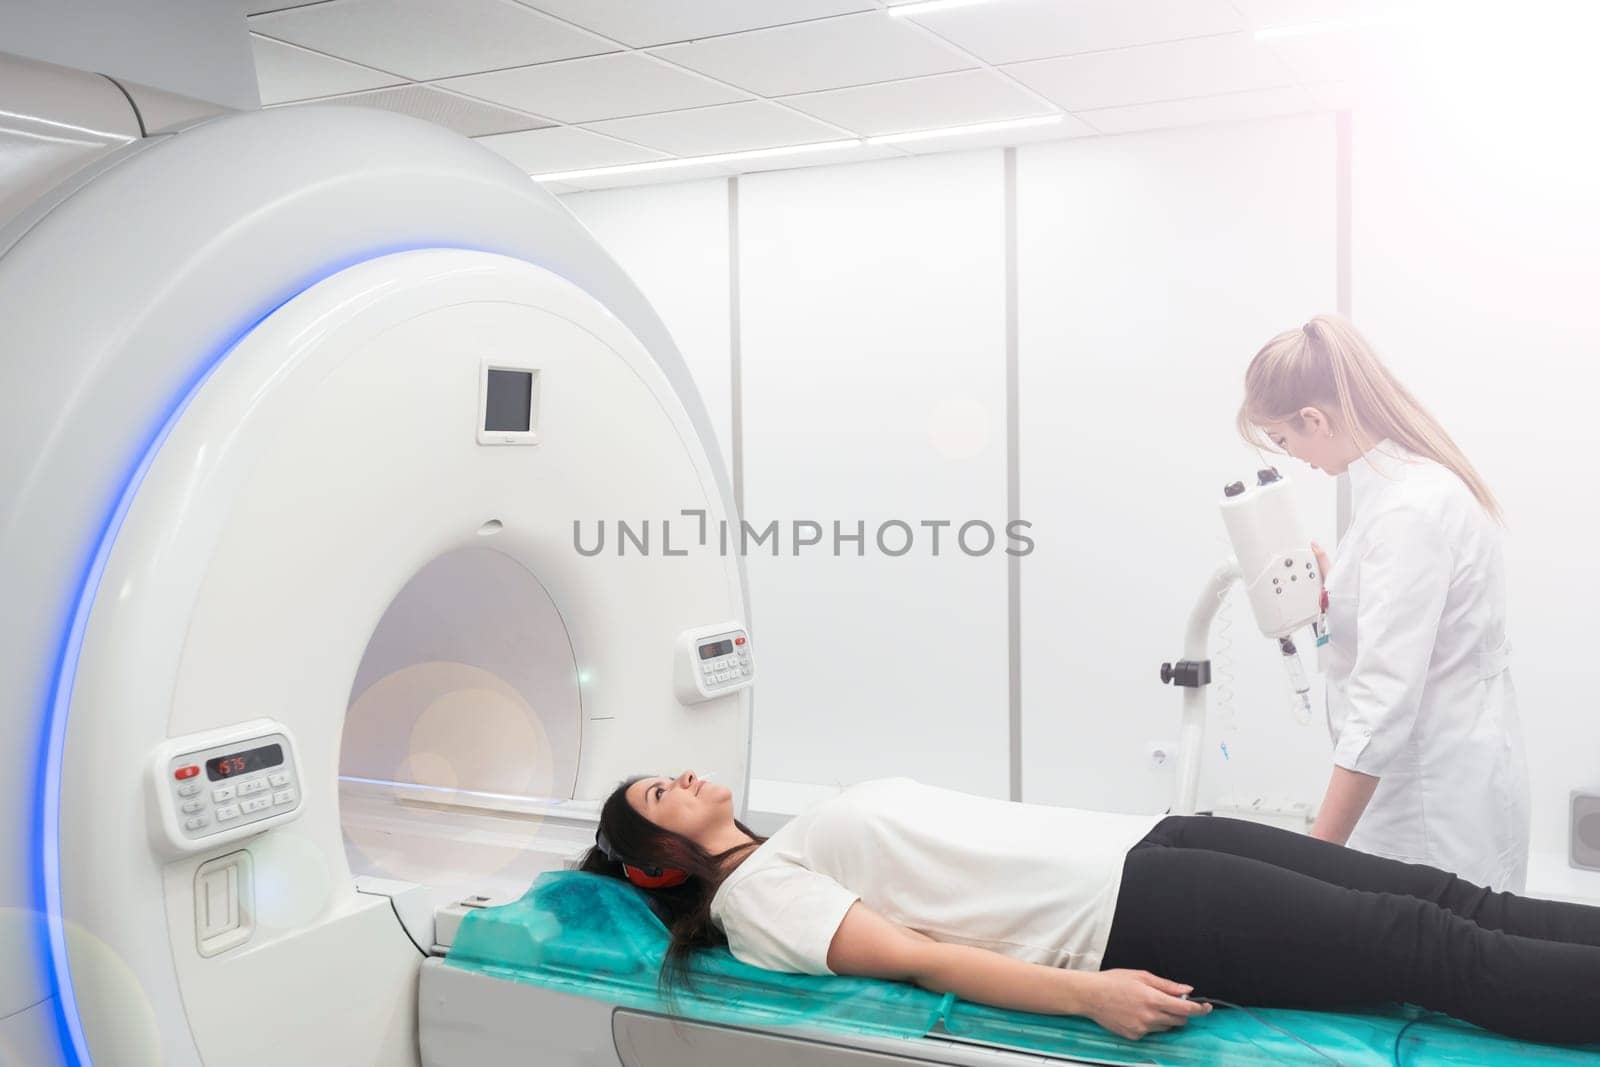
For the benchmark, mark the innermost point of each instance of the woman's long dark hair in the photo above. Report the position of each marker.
(685, 908)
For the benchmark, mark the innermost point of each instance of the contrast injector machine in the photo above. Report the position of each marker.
(1273, 560)
(1276, 566)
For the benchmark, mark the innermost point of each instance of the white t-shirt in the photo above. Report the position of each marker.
(1025, 880)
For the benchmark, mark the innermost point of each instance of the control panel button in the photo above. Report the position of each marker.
(194, 807)
(227, 812)
(222, 793)
(184, 773)
(196, 822)
(255, 804)
(254, 785)
(283, 796)
(738, 640)
(189, 789)
(278, 779)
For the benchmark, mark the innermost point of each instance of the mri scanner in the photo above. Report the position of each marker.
(302, 666)
(300, 409)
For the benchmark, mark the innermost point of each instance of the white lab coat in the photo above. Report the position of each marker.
(1419, 687)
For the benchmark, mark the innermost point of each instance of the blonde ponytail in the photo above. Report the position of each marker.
(1327, 364)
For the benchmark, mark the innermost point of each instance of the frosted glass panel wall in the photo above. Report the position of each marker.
(1474, 267)
(874, 390)
(673, 241)
(1152, 267)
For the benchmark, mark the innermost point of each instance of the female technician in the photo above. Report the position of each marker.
(1428, 758)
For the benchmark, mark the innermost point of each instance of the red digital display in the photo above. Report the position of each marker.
(237, 763)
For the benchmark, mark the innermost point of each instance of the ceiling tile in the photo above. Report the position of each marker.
(261, 7)
(1335, 96)
(427, 39)
(1230, 107)
(744, 127)
(642, 23)
(285, 72)
(961, 98)
(1035, 29)
(473, 118)
(1263, 14)
(1367, 56)
(827, 54)
(600, 87)
(1199, 66)
(563, 148)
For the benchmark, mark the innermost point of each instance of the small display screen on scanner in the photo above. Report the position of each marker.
(509, 405)
(715, 649)
(244, 762)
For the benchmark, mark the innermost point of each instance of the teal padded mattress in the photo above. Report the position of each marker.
(596, 937)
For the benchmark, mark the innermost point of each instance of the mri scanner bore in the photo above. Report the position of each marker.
(307, 697)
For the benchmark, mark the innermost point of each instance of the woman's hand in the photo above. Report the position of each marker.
(1132, 1004)
(1129, 1003)
(1322, 563)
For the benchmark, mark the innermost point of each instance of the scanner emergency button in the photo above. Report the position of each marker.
(185, 772)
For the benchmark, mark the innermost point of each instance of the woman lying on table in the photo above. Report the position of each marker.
(1119, 918)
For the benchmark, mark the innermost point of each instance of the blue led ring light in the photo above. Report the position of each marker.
(46, 847)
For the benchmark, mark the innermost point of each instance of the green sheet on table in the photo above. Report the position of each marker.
(593, 936)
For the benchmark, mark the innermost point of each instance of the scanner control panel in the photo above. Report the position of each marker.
(217, 788)
(713, 662)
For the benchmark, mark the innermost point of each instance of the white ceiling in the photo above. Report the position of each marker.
(562, 85)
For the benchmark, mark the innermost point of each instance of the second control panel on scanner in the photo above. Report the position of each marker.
(713, 662)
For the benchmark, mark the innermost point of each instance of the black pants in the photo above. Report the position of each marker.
(1256, 915)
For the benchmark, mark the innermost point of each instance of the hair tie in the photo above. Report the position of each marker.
(1306, 329)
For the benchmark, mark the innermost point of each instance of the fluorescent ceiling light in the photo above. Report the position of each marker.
(695, 161)
(958, 131)
(1356, 22)
(799, 149)
(928, 7)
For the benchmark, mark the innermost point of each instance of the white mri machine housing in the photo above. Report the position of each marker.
(248, 497)
(241, 386)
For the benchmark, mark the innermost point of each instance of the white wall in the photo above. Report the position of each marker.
(673, 241)
(1152, 267)
(1474, 270)
(874, 389)
(873, 363)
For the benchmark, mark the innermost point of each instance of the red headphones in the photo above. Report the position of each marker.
(643, 877)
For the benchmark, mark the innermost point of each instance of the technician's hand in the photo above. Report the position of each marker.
(1322, 563)
(1132, 1004)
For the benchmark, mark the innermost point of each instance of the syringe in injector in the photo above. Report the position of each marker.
(1297, 673)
